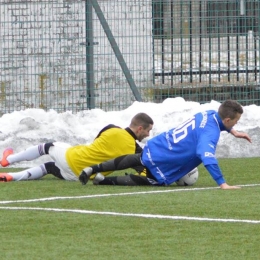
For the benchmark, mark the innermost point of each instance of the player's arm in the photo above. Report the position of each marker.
(206, 150)
(240, 135)
(217, 175)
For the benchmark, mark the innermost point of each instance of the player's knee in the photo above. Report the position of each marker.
(51, 168)
(47, 147)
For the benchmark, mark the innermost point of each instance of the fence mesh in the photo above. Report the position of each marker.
(76, 55)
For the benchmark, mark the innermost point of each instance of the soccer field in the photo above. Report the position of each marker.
(54, 219)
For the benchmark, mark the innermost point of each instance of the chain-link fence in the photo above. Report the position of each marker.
(76, 55)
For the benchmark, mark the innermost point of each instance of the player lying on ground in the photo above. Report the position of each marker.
(69, 161)
(172, 154)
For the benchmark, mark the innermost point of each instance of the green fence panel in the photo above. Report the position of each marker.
(58, 54)
(206, 50)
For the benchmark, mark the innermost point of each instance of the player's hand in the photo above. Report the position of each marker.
(85, 175)
(225, 186)
(244, 136)
(241, 135)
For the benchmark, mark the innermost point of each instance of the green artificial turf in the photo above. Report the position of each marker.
(54, 219)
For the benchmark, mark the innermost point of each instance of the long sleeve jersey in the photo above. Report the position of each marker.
(111, 142)
(172, 154)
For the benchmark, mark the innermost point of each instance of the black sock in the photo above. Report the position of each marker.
(109, 181)
(97, 168)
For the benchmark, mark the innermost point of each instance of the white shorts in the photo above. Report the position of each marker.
(57, 153)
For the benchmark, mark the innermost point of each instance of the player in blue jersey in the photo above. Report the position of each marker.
(172, 154)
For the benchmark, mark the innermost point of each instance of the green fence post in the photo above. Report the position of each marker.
(116, 50)
(89, 57)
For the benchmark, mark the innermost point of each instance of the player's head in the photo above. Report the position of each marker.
(230, 112)
(141, 124)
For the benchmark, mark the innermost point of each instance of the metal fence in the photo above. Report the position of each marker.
(76, 55)
(208, 50)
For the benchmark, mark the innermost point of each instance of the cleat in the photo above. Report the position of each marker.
(98, 178)
(6, 153)
(5, 177)
(85, 175)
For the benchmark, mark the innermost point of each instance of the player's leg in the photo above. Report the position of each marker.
(58, 153)
(28, 174)
(51, 168)
(127, 180)
(119, 163)
(29, 154)
(34, 173)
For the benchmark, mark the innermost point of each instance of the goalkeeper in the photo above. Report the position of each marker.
(68, 161)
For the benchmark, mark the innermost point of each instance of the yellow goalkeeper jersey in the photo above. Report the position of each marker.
(111, 142)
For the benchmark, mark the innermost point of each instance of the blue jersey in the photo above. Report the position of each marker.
(172, 154)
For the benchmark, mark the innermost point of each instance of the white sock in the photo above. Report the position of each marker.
(29, 174)
(29, 154)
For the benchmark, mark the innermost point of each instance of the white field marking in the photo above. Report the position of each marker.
(136, 215)
(117, 194)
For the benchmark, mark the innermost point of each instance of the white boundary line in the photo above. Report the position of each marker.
(136, 215)
(127, 214)
(116, 194)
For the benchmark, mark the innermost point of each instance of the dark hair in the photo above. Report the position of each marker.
(230, 109)
(141, 119)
